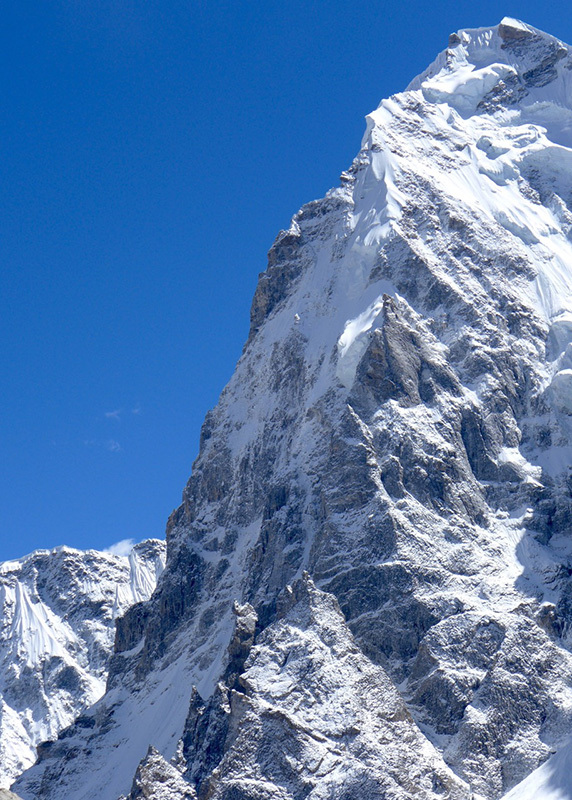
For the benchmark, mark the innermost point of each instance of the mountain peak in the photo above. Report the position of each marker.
(368, 580)
(58, 610)
(511, 29)
(511, 68)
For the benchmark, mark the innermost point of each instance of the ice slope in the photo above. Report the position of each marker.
(512, 68)
(398, 427)
(551, 781)
(56, 637)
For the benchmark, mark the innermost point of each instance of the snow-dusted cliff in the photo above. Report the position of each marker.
(367, 591)
(56, 638)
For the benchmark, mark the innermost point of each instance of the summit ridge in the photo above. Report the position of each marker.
(512, 69)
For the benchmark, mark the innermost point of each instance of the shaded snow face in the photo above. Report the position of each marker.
(398, 427)
(58, 618)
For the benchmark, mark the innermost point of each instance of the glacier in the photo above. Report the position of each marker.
(367, 589)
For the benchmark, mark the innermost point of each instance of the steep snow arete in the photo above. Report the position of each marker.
(367, 591)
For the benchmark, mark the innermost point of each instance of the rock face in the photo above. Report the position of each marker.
(58, 615)
(155, 779)
(367, 591)
(308, 695)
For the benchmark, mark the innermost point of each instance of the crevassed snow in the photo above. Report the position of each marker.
(509, 144)
(464, 74)
(477, 157)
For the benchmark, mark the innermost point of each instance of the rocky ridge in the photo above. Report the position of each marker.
(367, 586)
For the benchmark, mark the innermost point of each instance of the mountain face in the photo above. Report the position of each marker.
(367, 591)
(58, 617)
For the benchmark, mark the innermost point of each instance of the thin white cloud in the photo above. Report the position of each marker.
(109, 444)
(116, 415)
(122, 548)
(137, 409)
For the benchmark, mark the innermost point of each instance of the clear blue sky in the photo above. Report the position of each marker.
(150, 153)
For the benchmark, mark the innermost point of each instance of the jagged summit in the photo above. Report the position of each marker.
(513, 69)
(381, 504)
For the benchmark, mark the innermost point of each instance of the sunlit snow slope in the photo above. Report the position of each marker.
(56, 637)
(367, 591)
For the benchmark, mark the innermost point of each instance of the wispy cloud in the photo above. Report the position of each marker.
(116, 415)
(122, 548)
(107, 444)
(137, 409)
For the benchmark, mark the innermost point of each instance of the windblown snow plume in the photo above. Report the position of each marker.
(367, 591)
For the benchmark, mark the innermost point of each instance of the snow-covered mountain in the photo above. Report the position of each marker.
(56, 638)
(367, 591)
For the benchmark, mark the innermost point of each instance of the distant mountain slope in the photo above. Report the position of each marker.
(56, 638)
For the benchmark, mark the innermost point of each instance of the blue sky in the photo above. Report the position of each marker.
(150, 154)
